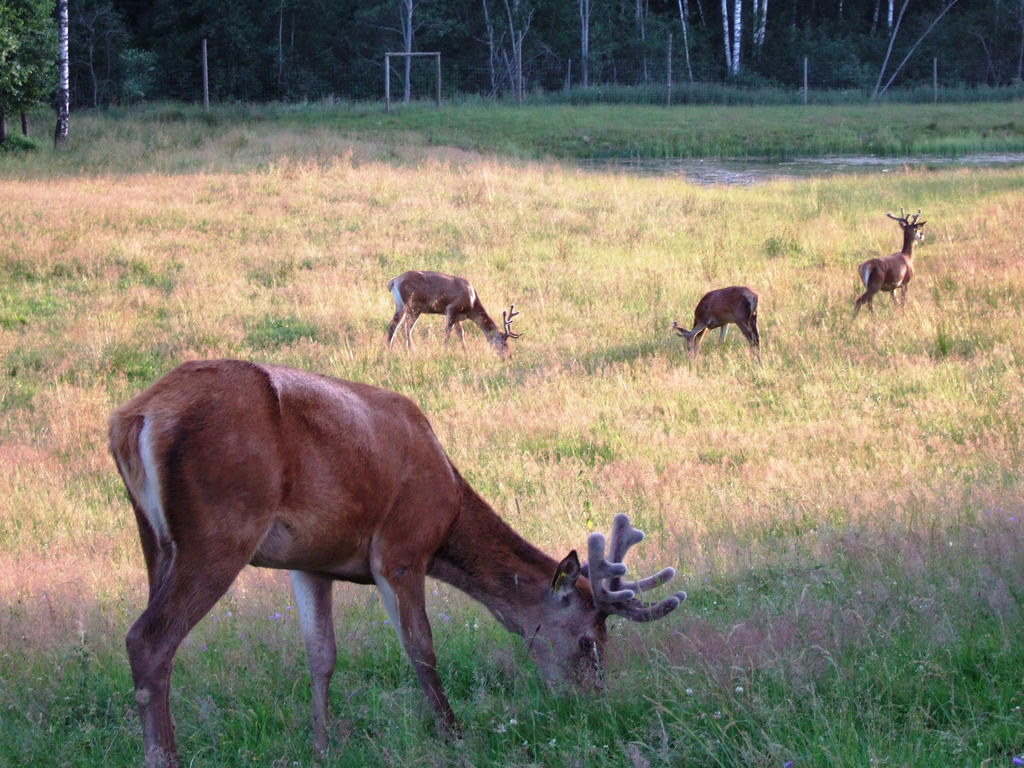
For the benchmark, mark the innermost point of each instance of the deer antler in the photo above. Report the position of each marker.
(506, 320)
(904, 220)
(613, 596)
(679, 329)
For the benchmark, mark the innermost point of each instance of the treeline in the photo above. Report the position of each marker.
(125, 51)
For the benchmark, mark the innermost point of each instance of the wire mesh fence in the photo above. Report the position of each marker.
(666, 78)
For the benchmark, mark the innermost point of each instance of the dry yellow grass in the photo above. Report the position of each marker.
(901, 421)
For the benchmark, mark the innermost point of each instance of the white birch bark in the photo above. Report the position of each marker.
(726, 40)
(60, 134)
(737, 35)
(584, 6)
(684, 14)
(641, 23)
(762, 25)
(407, 8)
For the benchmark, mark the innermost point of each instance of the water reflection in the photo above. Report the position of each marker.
(747, 172)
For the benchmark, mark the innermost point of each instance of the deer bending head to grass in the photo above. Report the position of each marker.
(895, 271)
(716, 309)
(229, 463)
(422, 293)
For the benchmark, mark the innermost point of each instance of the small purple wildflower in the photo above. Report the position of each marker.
(788, 764)
(444, 616)
(1018, 760)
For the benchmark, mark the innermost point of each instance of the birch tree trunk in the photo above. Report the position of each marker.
(584, 6)
(726, 39)
(761, 22)
(407, 33)
(684, 14)
(60, 134)
(518, 25)
(914, 47)
(737, 36)
(489, 28)
(641, 23)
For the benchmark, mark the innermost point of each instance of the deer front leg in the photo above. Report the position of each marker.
(313, 601)
(402, 589)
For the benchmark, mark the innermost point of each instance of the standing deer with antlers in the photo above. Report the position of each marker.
(229, 463)
(424, 293)
(716, 309)
(895, 271)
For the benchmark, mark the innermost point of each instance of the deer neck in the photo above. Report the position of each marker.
(491, 563)
(479, 316)
(909, 238)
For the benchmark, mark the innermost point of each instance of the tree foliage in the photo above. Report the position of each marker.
(299, 49)
(28, 54)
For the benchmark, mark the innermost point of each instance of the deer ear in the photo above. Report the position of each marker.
(566, 574)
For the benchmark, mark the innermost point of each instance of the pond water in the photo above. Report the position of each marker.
(747, 172)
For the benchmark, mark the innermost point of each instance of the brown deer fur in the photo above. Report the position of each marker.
(229, 463)
(423, 293)
(894, 272)
(716, 309)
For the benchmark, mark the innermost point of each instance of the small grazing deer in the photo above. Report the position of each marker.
(432, 293)
(717, 309)
(892, 272)
(229, 463)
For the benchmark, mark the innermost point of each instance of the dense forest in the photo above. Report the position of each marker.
(125, 51)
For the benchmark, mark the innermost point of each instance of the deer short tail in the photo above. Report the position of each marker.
(751, 305)
(394, 292)
(131, 443)
(865, 272)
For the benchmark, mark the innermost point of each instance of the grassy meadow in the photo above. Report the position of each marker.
(846, 516)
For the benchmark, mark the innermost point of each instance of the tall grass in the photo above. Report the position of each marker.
(846, 515)
(172, 138)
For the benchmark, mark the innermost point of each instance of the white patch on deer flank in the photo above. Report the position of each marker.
(149, 496)
(398, 297)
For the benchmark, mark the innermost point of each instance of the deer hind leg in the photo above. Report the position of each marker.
(313, 600)
(865, 298)
(396, 321)
(410, 323)
(402, 589)
(749, 329)
(187, 581)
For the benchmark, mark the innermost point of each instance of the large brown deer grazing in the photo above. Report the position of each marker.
(229, 463)
(895, 271)
(424, 293)
(716, 309)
